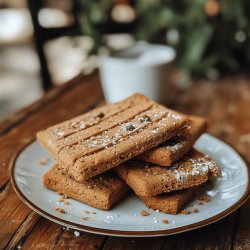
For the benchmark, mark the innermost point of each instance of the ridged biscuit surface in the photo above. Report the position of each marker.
(169, 152)
(146, 179)
(105, 137)
(101, 192)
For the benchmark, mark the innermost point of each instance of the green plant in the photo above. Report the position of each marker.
(207, 34)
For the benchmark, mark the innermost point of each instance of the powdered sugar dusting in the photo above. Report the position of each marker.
(59, 133)
(200, 166)
(118, 134)
(174, 116)
(176, 147)
(155, 131)
(82, 125)
(140, 126)
(174, 144)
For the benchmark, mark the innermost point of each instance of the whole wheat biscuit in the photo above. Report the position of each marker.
(138, 124)
(169, 203)
(87, 125)
(149, 180)
(101, 192)
(173, 149)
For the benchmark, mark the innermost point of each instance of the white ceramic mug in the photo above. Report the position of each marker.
(143, 68)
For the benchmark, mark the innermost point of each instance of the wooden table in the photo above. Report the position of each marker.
(227, 107)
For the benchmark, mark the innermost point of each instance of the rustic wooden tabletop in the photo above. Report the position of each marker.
(226, 104)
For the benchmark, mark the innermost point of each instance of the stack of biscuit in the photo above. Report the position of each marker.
(133, 144)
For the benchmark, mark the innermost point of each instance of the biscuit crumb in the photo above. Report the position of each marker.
(60, 199)
(93, 212)
(185, 211)
(207, 198)
(165, 221)
(85, 218)
(195, 210)
(144, 213)
(62, 195)
(60, 210)
(200, 203)
(66, 203)
(44, 161)
(86, 211)
(200, 197)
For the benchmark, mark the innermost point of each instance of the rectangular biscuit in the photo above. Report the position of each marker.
(101, 192)
(146, 179)
(173, 149)
(99, 140)
(169, 203)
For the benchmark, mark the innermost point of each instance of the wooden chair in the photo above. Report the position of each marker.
(41, 35)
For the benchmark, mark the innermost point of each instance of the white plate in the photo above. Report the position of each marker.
(228, 193)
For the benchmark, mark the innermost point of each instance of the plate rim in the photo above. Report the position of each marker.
(121, 233)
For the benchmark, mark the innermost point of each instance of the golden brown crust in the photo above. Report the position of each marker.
(100, 192)
(96, 143)
(169, 203)
(148, 179)
(169, 152)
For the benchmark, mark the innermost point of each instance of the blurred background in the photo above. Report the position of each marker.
(36, 50)
(45, 43)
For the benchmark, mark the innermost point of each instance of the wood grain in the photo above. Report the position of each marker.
(54, 108)
(207, 238)
(240, 138)
(85, 96)
(148, 243)
(69, 240)
(44, 236)
(23, 231)
(13, 214)
(47, 235)
(22, 114)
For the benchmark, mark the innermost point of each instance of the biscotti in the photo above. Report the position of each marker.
(169, 152)
(169, 203)
(101, 192)
(146, 179)
(101, 139)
